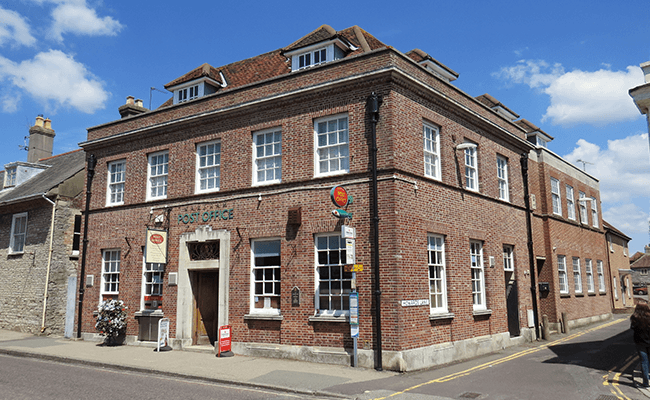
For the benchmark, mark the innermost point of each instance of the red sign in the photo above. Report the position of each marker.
(157, 238)
(224, 339)
(339, 196)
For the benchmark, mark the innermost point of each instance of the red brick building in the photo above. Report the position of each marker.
(235, 174)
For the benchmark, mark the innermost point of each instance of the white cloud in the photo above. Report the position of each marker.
(596, 98)
(624, 172)
(56, 80)
(14, 29)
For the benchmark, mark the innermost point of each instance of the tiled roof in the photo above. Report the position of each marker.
(275, 63)
(491, 102)
(418, 55)
(643, 262)
(618, 233)
(61, 168)
(529, 127)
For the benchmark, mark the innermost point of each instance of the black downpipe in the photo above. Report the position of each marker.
(531, 255)
(374, 102)
(92, 161)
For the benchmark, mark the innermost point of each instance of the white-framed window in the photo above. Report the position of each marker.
(583, 207)
(562, 274)
(157, 175)
(311, 58)
(332, 145)
(508, 258)
(437, 274)
(10, 177)
(431, 136)
(267, 156)
(265, 276)
(116, 178)
(18, 233)
(555, 196)
(601, 276)
(188, 93)
(577, 275)
(594, 212)
(610, 242)
(540, 142)
(471, 169)
(590, 276)
(643, 271)
(208, 167)
(570, 203)
(502, 175)
(333, 283)
(614, 287)
(478, 277)
(152, 286)
(110, 272)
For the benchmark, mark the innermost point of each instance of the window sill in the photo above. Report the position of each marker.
(479, 313)
(602, 293)
(435, 317)
(565, 295)
(591, 294)
(580, 295)
(328, 318)
(16, 254)
(267, 317)
(149, 313)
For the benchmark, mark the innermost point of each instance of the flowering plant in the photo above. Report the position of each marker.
(111, 319)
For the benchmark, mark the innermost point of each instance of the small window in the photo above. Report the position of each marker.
(265, 276)
(478, 277)
(267, 157)
(110, 273)
(158, 171)
(502, 176)
(187, 94)
(590, 276)
(555, 196)
(508, 258)
(431, 151)
(10, 177)
(570, 203)
(332, 145)
(594, 212)
(583, 207)
(437, 276)
(76, 236)
(18, 233)
(601, 276)
(208, 167)
(152, 282)
(312, 58)
(471, 169)
(333, 283)
(562, 274)
(115, 192)
(577, 275)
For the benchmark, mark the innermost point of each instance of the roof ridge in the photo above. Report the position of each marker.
(60, 155)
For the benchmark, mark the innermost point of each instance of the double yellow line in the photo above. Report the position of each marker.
(522, 353)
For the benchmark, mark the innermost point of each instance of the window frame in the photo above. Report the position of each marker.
(431, 148)
(601, 276)
(589, 272)
(343, 147)
(556, 196)
(109, 260)
(214, 167)
(594, 212)
(153, 269)
(508, 257)
(115, 188)
(570, 203)
(471, 168)
(14, 236)
(577, 275)
(258, 162)
(275, 281)
(163, 177)
(562, 275)
(477, 275)
(10, 177)
(344, 277)
(502, 177)
(436, 260)
(584, 219)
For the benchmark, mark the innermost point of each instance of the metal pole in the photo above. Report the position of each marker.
(374, 103)
(92, 161)
(529, 231)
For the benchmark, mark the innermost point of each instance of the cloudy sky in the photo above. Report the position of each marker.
(566, 66)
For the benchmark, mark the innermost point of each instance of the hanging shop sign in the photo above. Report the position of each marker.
(206, 216)
(156, 247)
(340, 196)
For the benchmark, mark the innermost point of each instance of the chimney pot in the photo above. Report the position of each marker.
(39, 120)
(138, 102)
(129, 99)
(47, 123)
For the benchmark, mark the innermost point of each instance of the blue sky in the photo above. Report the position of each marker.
(566, 66)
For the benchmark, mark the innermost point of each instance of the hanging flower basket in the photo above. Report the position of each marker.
(111, 321)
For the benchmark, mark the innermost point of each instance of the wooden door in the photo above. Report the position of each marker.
(205, 287)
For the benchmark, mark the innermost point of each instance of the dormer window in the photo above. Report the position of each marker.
(312, 58)
(541, 142)
(189, 93)
(10, 177)
(319, 53)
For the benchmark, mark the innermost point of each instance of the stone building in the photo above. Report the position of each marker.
(217, 209)
(39, 236)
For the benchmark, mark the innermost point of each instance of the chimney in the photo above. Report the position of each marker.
(647, 249)
(132, 107)
(41, 140)
(646, 71)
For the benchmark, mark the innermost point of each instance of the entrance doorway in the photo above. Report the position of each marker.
(512, 304)
(205, 288)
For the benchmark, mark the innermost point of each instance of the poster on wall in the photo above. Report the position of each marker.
(156, 248)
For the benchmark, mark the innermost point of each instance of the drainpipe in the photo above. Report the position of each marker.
(373, 103)
(529, 231)
(92, 161)
(49, 261)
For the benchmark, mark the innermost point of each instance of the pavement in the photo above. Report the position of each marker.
(298, 377)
